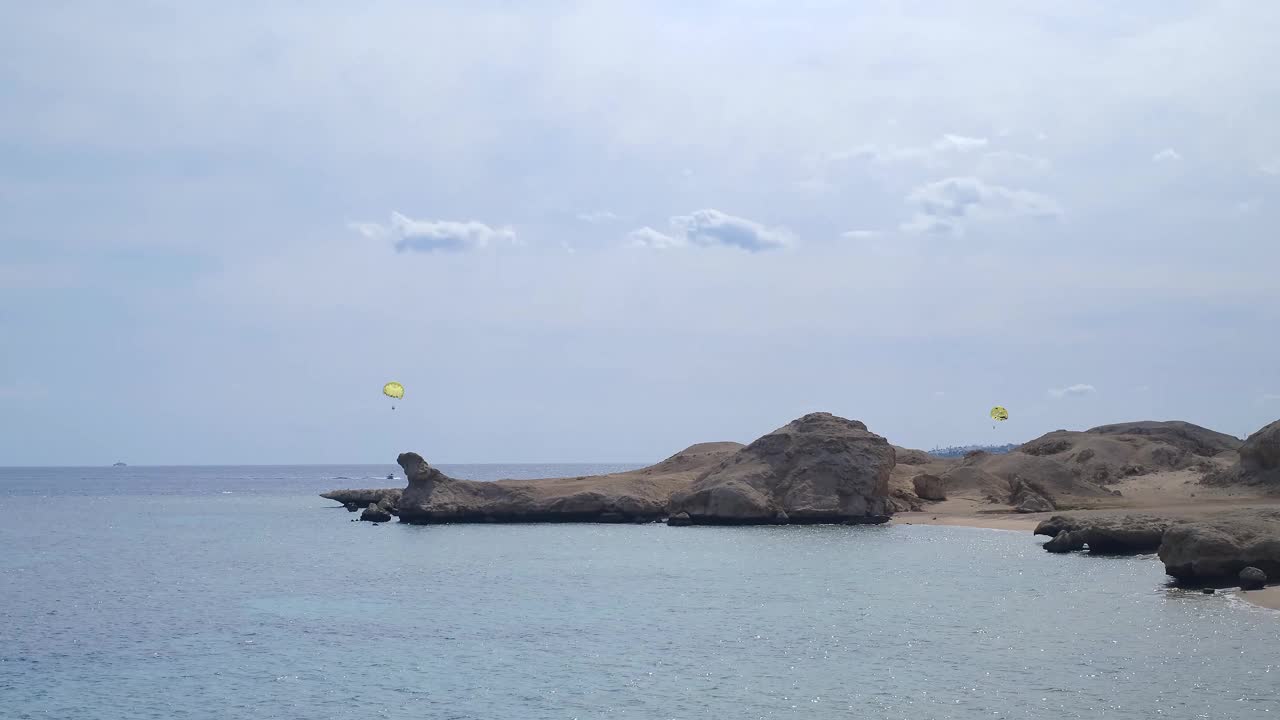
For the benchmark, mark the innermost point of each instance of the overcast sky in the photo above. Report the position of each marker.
(604, 231)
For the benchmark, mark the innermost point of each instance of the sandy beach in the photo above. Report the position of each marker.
(1267, 597)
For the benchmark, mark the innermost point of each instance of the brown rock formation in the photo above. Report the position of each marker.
(817, 469)
(929, 487)
(1258, 464)
(353, 500)
(1218, 547)
(633, 496)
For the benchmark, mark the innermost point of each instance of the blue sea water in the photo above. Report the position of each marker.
(237, 593)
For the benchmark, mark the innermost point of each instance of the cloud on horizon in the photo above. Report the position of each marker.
(1167, 155)
(712, 228)
(1076, 390)
(947, 207)
(428, 236)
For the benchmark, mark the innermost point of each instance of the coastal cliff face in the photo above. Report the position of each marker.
(633, 496)
(817, 469)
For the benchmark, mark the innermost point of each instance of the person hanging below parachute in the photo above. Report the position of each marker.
(999, 414)
(393, 390)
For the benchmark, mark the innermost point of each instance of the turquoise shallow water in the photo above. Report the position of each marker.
(235, 592)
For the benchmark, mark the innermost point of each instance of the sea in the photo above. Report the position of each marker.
(166, 593)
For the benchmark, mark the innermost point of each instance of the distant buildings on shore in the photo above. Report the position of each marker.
(962, 450)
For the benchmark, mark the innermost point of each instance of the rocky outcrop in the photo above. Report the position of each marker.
(353, 500)
(903, 501)
(1030, 497)
(1252, 578)
(1064, 541)
(907, 456)
(1110, 453)
(908, 464)
(817, 469)
(929, 487)
(1184, 436)
(1258, 464)
(375, 513)
(1217, 548)
(1106, 535)
(1072, 469)
(633, 496)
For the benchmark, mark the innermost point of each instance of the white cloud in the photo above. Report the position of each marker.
(1271, 167)
(860, 234)
(945, 207)
(433, 235)
(710, 228)
(1166, 155)
(939, 393)
(1072, 391)
(959, 143)
(649, 238)
(1142, 388)
(933, 155)
(597, 217)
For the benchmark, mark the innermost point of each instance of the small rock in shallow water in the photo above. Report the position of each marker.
(375, 514)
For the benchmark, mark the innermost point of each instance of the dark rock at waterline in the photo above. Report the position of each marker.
(679, 519)
(1110, 534)
(819, 468)
(1218, 547)
(375, 514)
(1251, 578)
(1207, 591)
(354, 500)
(1064, 541)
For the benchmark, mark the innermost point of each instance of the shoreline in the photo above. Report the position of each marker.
(1267, 598)
(1018, 523)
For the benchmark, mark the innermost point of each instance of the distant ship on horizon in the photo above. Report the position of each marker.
(119, 464)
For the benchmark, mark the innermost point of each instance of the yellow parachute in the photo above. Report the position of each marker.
(999, 413)
(393, 390)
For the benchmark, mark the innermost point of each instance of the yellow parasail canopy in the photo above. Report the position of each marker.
(393, 389)
(999, 413)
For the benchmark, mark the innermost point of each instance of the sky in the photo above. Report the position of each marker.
(602, 231)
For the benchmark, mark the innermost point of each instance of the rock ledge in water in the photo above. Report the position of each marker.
(1217, 548)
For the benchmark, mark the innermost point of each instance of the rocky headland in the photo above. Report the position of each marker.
(1206, 503)
(634, 496)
